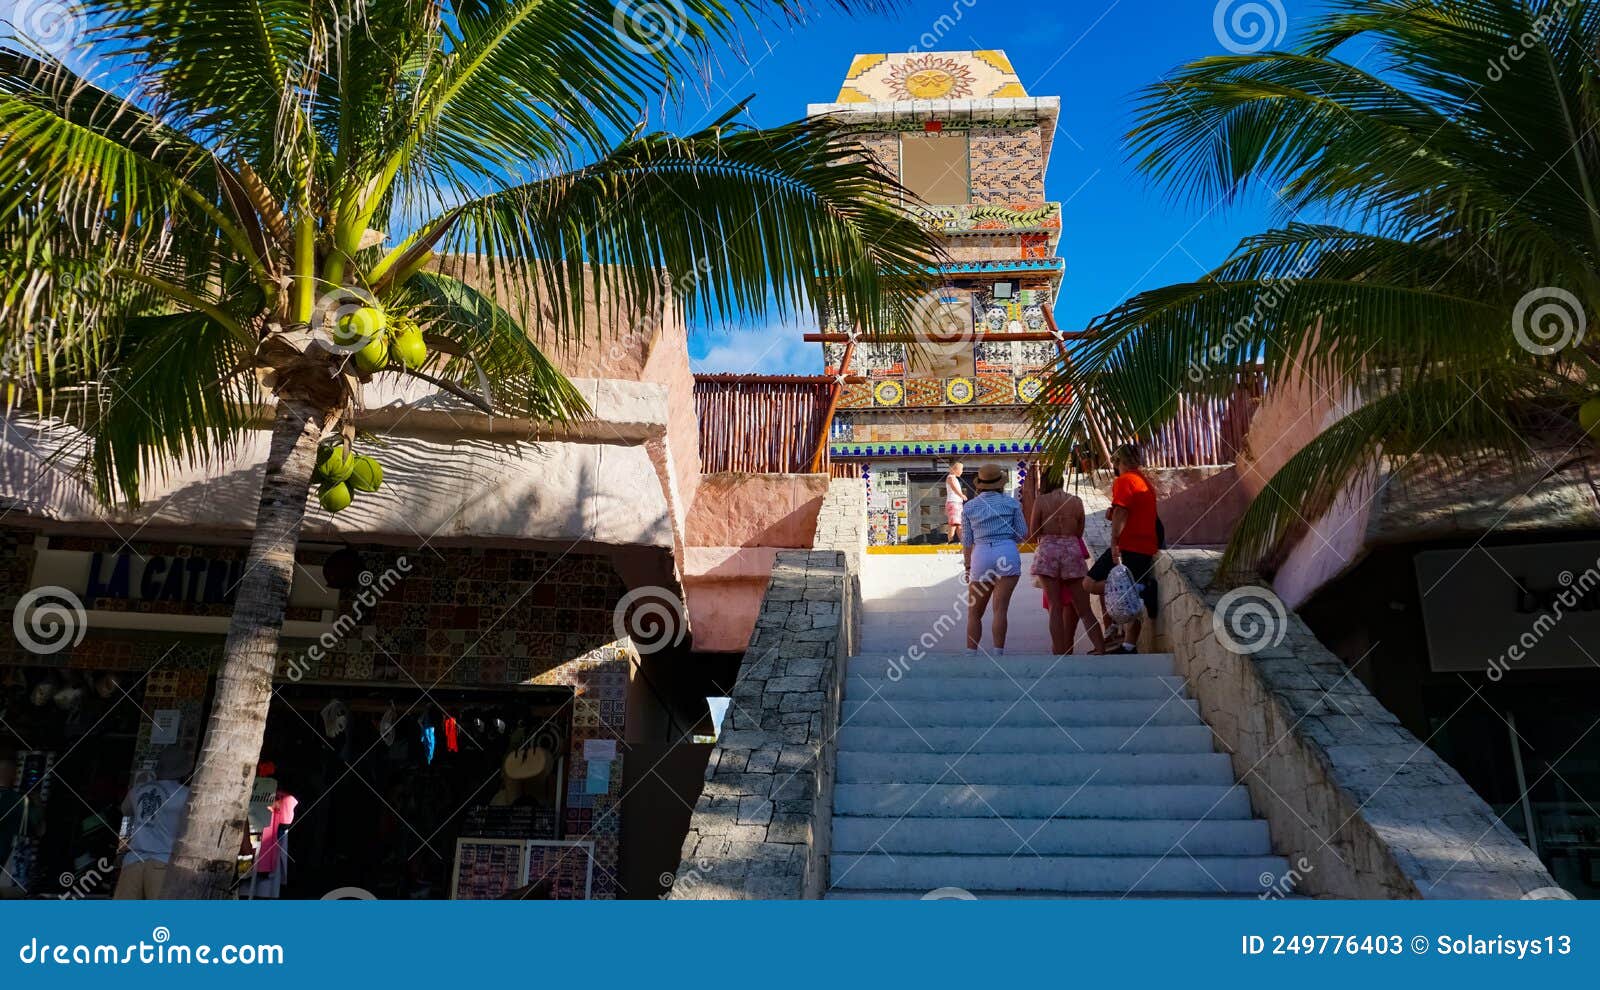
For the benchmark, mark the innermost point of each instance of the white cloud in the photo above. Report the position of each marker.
(775, 349)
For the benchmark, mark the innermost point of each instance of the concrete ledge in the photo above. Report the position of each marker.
(760, 826)
(1362, 808)
(728, 563)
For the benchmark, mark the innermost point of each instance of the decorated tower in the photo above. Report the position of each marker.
(960, 132)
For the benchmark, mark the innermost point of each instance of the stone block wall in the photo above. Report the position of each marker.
(760, 827)
(1362, 808)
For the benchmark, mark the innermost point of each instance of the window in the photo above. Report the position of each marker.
(934, 166)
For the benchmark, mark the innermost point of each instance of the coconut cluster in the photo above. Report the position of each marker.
(341, 474)
(1589, 417)
(379, 339)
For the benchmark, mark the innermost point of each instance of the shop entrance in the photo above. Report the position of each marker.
(376, 785)
(925, 517)
(68, 738)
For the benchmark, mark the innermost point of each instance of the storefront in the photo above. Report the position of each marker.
(449, 724)
(1490, 652)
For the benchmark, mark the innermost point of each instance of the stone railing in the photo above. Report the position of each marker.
(1362, 808)
(760, 828)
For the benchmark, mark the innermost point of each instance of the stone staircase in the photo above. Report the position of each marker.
(1035, 775)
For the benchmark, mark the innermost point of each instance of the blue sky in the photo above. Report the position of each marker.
(1120, 234)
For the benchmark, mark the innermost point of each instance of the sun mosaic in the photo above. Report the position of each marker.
(931, 77)
(900, 76)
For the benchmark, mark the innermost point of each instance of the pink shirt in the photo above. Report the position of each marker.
(282, 814)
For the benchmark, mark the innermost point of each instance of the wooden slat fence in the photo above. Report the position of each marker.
(761, 423)
(1207, 430)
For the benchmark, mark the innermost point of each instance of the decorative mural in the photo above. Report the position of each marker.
(971, 218)
(900, 76)
(984, 389)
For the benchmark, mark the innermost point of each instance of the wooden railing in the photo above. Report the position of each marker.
(762, 423)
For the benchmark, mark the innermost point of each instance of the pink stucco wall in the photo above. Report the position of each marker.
(736, 526)
(1199, 506)
(1295, 411)
(756, 510)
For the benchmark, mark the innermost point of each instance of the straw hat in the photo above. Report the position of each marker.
(991, 478)
(527, 762)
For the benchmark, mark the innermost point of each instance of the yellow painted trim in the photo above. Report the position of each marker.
(928, 548)
(1012, 90)
(996, 58)
(849, 94)
(861, 63)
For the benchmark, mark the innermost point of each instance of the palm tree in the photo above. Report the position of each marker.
(183, 235)
(1437, 171)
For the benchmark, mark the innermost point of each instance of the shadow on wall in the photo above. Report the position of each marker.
(1201, 505)
(733, 509)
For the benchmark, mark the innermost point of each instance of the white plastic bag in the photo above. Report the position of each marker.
(1123, 603)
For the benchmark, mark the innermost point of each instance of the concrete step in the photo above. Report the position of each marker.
(1049, 740)
(1018, 714)
(1018, 665)
(1048, 837)
(1061, 686)
(1176, 873)
(1034, 768)
(958, 800)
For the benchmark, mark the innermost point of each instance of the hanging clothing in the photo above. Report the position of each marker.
(283, 805)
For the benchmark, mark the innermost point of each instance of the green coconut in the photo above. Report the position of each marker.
(1589, 417)
(334, 464)
(335, 498)
(374, 357)
(411, 349)
(368, 321)
(367, 475)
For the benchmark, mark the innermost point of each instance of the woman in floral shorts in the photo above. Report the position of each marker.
(1060, 562)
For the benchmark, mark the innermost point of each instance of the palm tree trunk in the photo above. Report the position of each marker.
(203, 861)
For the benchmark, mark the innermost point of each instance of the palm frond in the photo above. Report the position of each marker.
(521, 379)
(178, 390)
(1457, 420)
(729, 221)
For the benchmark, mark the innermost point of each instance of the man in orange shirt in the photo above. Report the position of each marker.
(1134, 541)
